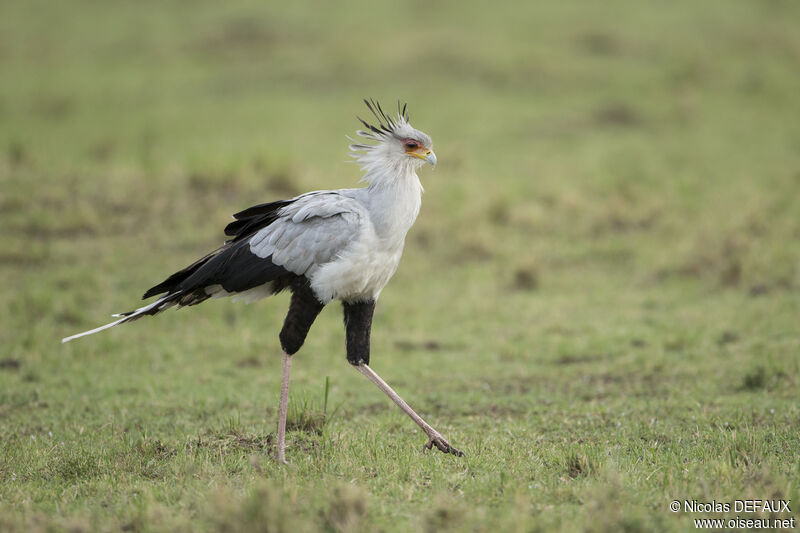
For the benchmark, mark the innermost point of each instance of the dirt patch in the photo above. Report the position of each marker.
(574, 359)
(472, 251)
(617, 115)
(308, 421)
(10, 364)
(656, 439)
(427, 345)
(237, 36)
(305, 443)
(525, 279)
(67, 231)
(103, 150)
(727, 337)
(372, 408)
(249, 362)
(17, 154)
(69, 318)
(156, 448)
(756, 379)
(499, 213)
(282, 184)
(759, 289)
(423, 239)
(508, 385)
(599, 44)
(500, 411)
(53, 107)
(209, 183)
(232, 442)
(578, 465)
(721, 260)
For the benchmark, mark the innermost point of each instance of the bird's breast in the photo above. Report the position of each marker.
(360, 272)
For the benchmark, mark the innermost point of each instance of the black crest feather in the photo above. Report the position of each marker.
(385, 126)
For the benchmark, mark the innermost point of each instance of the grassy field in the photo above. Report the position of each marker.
(599, 302)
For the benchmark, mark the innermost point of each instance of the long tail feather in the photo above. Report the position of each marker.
(151, 309)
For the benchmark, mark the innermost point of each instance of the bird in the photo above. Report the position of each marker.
(326, 245)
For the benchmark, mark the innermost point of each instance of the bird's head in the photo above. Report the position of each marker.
(398, 146)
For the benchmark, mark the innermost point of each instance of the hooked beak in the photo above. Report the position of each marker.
(429, 157)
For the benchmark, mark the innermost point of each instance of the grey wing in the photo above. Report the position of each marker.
(310, 232)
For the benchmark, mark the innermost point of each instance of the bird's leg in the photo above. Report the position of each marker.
(280, 453)
(303, 310)
(434, 437)
(358, 323)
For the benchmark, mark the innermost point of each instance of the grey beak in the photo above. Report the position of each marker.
(430, 157)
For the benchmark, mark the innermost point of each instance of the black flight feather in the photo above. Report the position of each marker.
(236, 268)
(261, 209)
(253, 219)
(232, 262)
(169, 284)
(233, 266)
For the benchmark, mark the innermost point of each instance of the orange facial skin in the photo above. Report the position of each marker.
(414, 148)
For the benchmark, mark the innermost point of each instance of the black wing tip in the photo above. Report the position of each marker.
(262, 209)
(254, 218)
(233, 228)
(152, 291)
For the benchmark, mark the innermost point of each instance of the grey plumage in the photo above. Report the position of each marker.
(310, 232)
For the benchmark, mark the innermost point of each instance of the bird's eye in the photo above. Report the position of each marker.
(411, 145)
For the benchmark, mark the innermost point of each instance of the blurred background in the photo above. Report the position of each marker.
(617, 196)
(580, 119)
(563, 129)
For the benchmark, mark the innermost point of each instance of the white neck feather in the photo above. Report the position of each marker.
(381, 166)
(394, 196)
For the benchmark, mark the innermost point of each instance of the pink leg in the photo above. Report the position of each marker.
(280, 453)
(434, 437)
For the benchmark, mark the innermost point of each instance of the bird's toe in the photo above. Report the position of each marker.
(456, 452)
(442, 445)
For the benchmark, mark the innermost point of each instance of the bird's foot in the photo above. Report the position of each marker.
(436, 439)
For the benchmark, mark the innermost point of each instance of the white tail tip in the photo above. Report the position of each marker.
(125, 318)
(91, 331)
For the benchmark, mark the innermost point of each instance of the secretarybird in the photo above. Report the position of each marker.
(342, 244)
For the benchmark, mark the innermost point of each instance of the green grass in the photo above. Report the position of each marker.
(599, 302)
